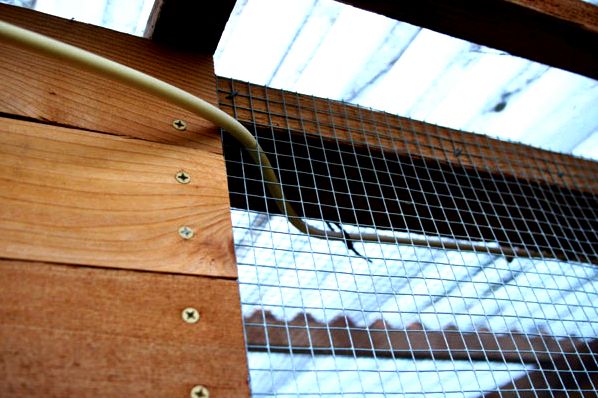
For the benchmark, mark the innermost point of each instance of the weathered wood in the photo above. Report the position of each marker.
(561, 33)
(303, 334)
(78, 197)
(189, 25)
(364, 128)
(37, 87)
(70, 331)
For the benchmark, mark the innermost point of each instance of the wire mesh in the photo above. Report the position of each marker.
(371, 319)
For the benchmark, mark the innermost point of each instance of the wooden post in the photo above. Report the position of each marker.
(98, 269)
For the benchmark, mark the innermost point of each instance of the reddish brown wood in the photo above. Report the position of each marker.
(78, 197)
(342, 337)
(287, 112)
(40, 88)
(89, 332)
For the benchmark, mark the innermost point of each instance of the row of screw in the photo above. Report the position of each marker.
(189, 315)
(182, 177)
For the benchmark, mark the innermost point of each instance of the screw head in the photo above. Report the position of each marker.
(185, 232)
(182, 177)
(179, 124)
(190, 315)
(200, 391)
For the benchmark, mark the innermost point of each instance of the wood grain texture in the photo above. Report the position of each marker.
(70, 331)
(38, 87)
(77, 197)
(362, 128)
(561, 33)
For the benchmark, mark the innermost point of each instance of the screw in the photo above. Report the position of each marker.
(182, 177)
(190, 315)
(457, 152)
(185, 232)
(179, 124)
(200, 391)
(232, 94)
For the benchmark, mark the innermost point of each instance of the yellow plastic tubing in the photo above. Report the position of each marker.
(91, 62)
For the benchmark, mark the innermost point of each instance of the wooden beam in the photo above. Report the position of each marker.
(363, 128)
(303, 334)
(36, 87)
(189, 25)
(89, 332)
(351, 165)
(560, 33)
(77, 197)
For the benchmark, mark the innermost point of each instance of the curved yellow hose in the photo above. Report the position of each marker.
(91, 62)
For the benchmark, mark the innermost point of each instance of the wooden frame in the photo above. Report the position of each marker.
(95, 276)
(57, 327)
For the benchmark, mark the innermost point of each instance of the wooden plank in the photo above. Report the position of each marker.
(561, 33)
(303, 334)
(40, 88)
(364, 128)
(175, 23)
(89, 332)
(78, 197)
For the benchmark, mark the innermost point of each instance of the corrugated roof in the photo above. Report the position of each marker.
(332, 50)
(287, 274)
(328, 49)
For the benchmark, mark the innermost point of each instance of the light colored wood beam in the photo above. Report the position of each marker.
(78, 197)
